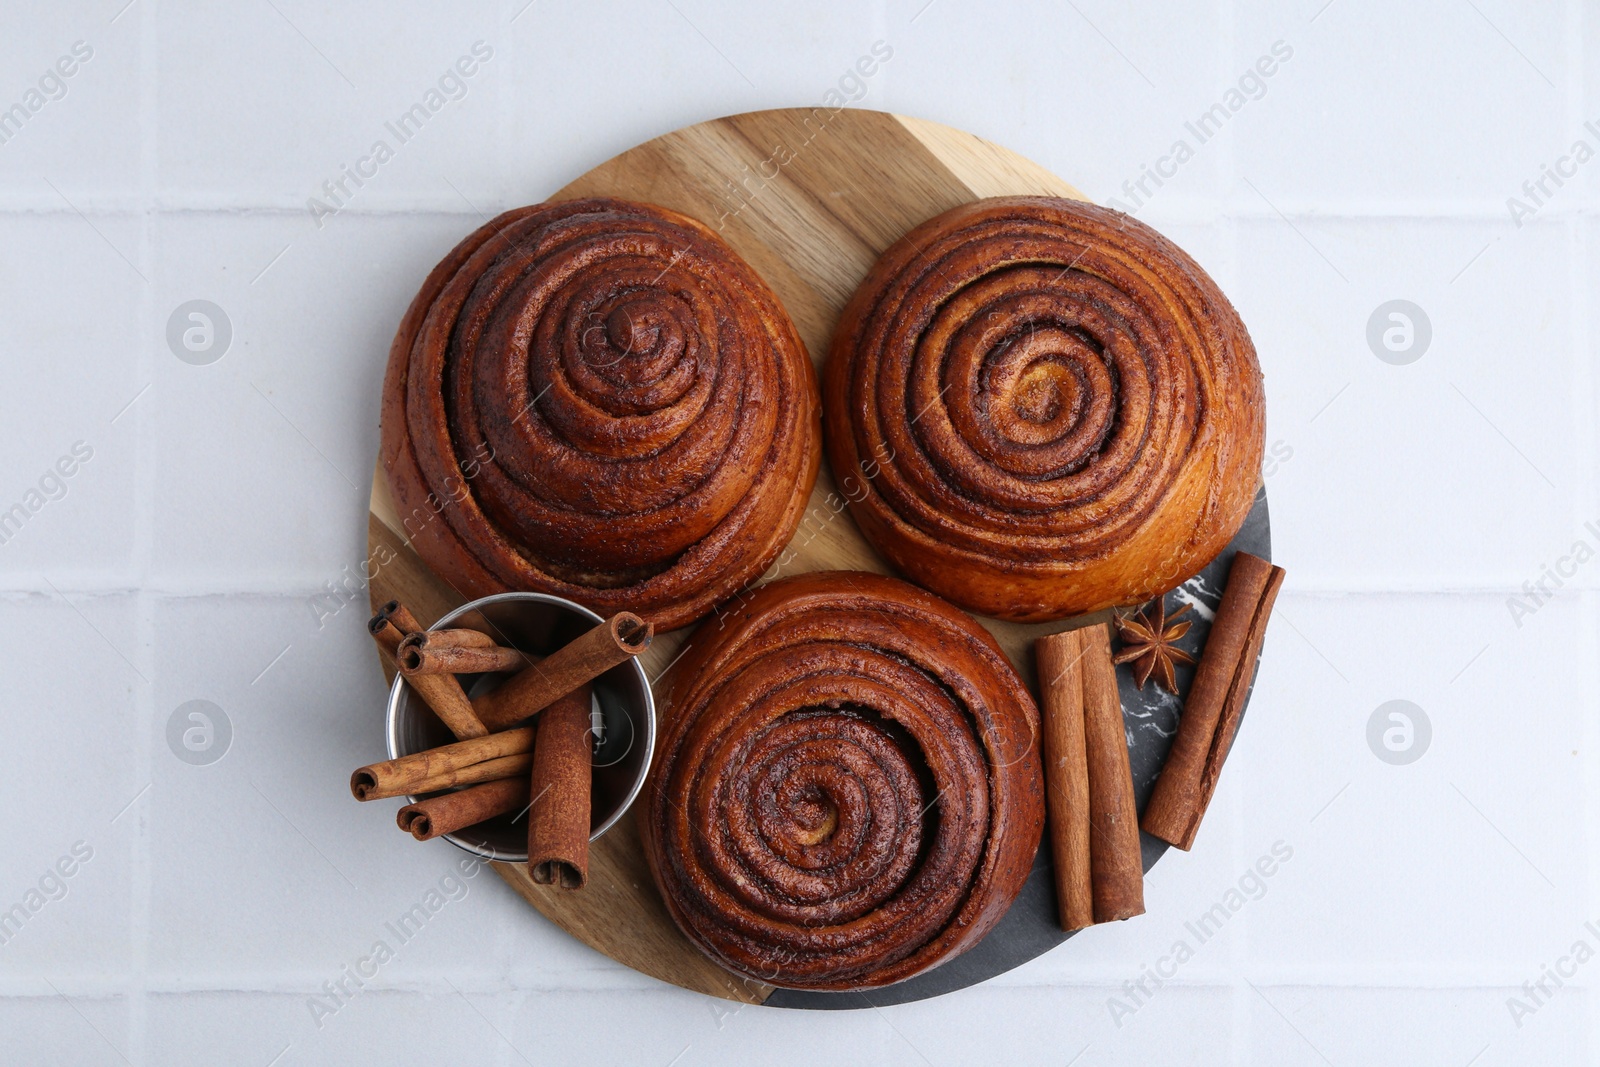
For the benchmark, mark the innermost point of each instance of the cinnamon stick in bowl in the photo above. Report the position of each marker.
(397, 615)
(389, 627)
(436, 816)
(524, 621)
(580, 661)
(422, 653)
(1215, 702)
(558, 820)
(455, 638)
(442, 767)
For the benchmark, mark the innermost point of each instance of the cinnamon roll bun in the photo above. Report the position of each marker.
(1040, 408)
(599, 399)
(847, 791)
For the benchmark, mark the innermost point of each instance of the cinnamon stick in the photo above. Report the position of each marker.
(1215, 702)
(403, 620)
(439, 768)
(420, 654)
(1066, 774)
(515, 766)
(389, 627)
(427, 819)
(1115, 862)
(384, 631)
(558, 821)
(535, 687)
(456, 638)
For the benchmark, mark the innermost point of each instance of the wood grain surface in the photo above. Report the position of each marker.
(809, 198)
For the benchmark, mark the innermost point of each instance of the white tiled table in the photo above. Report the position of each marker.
(186, 557)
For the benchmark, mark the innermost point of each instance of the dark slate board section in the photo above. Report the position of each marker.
(1151, 719)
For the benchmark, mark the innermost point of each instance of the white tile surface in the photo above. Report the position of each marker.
(83, 134)
(71, 855)
(268, 452)
(1410, 504)
(62, 1027)
(71, 330)
(324, 81)
(1462, 470)
(1429, 105)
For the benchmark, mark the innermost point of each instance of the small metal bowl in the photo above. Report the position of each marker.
(536, 622)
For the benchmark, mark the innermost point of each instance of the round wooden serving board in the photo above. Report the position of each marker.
(809, 198)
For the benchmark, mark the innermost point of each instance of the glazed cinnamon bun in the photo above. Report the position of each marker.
(847, 790)
(1042, 408)
(599, 399)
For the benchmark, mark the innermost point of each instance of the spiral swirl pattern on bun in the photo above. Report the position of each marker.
(1049, 408)
(599, 399)
(847, 790)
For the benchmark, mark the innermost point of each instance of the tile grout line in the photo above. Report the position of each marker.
(504, 1012)
(144, 480)
(507, 1009)
(1239, 1008)
(1187, 208)
(1583, 396)
(439, 982)
(1239, 946)
(301, 588)
(1584, 400)
(881, 32)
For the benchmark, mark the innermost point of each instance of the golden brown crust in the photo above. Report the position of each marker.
(1041, 408)
(847, 789)
(599, 399)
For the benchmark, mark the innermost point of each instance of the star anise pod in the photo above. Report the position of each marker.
(1148, 643)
